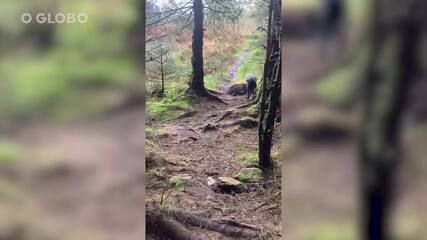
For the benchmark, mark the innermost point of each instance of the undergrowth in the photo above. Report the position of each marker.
(253, 63)
(167, 108)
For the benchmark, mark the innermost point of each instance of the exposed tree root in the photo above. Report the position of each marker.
(230, 228)
(214, 92)
(248, 104)
(226, 114)
(204, 94)
(244, 122)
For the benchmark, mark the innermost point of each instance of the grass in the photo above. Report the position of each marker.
(213, 81)
(167, 108)
(254, 61)
(249, 158)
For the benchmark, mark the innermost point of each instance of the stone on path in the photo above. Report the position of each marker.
(228, 184)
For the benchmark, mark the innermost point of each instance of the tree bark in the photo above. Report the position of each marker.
(197, 84)
(162, 71)
(271, 86)
(390, 76)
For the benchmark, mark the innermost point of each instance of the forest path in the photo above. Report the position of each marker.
(211, 143)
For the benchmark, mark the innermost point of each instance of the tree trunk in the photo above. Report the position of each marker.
(390, 75)
(271, 87)
(162, 71)
(196, 83)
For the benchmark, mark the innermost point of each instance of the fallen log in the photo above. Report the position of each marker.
(170, 224)
(227, 228)
(165, 227)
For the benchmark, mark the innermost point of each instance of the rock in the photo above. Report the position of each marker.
(228, 184)
(211, 181)
(229, 181)
(250, 175)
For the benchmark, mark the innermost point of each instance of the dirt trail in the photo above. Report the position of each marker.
(214, 153)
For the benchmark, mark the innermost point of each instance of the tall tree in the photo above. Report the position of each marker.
(196, 83)
(271, 86)
(395, 39)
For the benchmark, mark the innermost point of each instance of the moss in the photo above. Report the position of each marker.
(249, 175)
(167, 108)
(250, 158)
(9, 153)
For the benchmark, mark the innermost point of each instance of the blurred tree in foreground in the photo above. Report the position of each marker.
(395, 42)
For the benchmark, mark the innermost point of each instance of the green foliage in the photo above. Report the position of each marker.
(253, 63)
(168, 108)
(213, 81)
(249, 158)
(9, 153)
